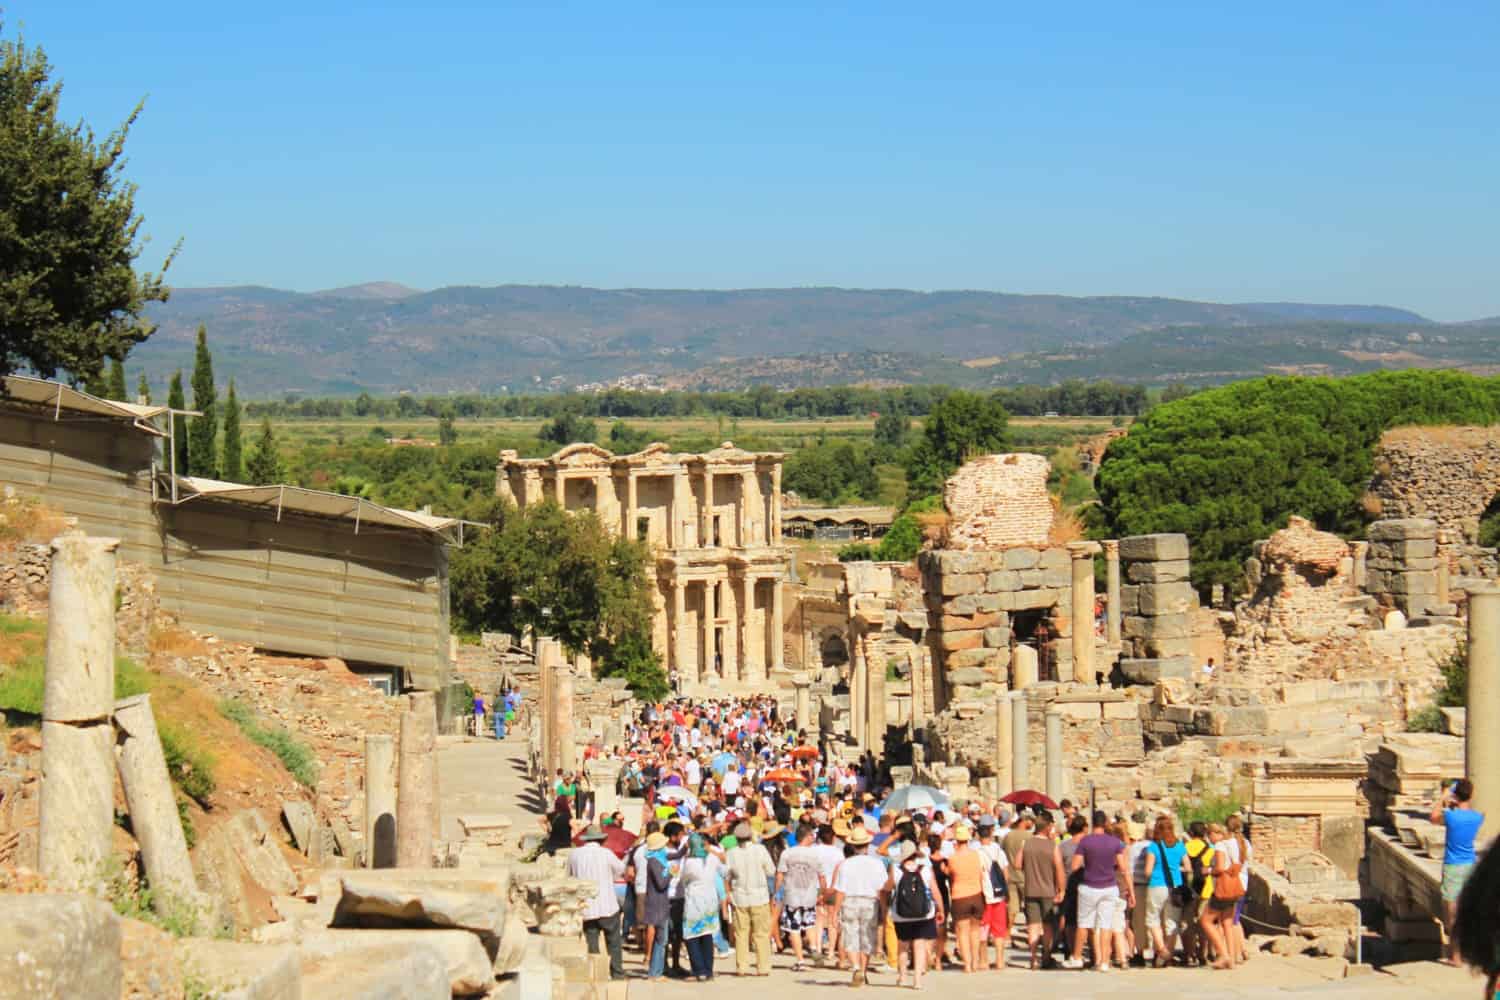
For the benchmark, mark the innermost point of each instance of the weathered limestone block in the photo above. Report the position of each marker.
(414, 972)
(969, 604)
(1401, 529)
(1154, 548)
(1003, 579)
(384, 903)
(964, 658)
(469, 969)
(1021, 558)
(58, 946)
(958, 584)
(1167, 599)
(1150, 671)
(1167, 626)
(236, 971)
(980, 620)
(969, 639)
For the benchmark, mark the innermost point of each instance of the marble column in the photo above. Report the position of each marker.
(567, 746)
(1083, 610)
(543, 657)
(1357, 577)
(152, 802)
(1054, 755)
(685, 671)
(706, 539)
(78, 701)
(775, 528)
(560, 489)
(1112, 591)
(416, 804)
(1023, 662)
(747, 533)
(380, 801)
(776, 643)
(682, 502)
(710, 612)
(917, 660)
(1003, 742)
(1020, 741)
(730, 612)
(857, 691)
(1482, 730)
(630, 506)
(803, 709)
(875, 708)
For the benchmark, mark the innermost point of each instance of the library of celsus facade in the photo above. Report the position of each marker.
(713, 522)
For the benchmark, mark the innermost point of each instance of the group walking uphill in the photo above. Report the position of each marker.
(752, 842)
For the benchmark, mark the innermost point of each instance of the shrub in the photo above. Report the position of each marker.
(1455, 670)
(1207, 807)
(293, 754)
(856, 552)
(902, 541)
(1426, 720)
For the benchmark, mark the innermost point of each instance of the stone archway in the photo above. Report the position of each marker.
(833, 648)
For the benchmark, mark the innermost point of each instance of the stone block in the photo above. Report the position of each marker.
(867, 578)
(469, 968)
(997, 638)
(56, 945)
(379, 903)
(1167, 599)
(969, 604)
(1150, 671)
(1154, 548)
(1171, 571)
(1021, 558)
(969, 677)
(416, 972)
(961, 639)
(1080, 711)
(962, 658)
(1121, 710)
(979, 620)
(237, 971)
(1028, 600)
(1420, 582)
(1168, 626)
(1003, 579)
(1455, 720)
(1325, 916)
(1401, 529)
(1343, 843)
(958, 584)
(1054, 558)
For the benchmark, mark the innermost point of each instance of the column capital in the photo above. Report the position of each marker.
(1083, 550)
(1111, 548)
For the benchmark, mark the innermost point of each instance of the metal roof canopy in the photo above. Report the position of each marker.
(61, 398)
(839, 515)
(318, 503)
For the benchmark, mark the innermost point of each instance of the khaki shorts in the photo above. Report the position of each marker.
(1040, 911)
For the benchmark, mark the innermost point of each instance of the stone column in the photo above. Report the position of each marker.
(543, 656)
(380, 801)
(153, 806)
(776, 642)
(630, 504)
(1023, 661)
(560, 489)
(1357, 577)
(1442, 597)
(730, 612)
(710, 587)
(857, 691)
(706, 539)
(1482, 739)
(78, 698)
(803, 709)
(1054, 754)
(682, 495)
(567, 747)
(875, 709)
(1020, 741)
(416, 806)
(774, 531)
(1003, 742)
(1112, 591)
(685, 672)
(1083, 610)
(604, 775)
(531, 487)
(747, 518)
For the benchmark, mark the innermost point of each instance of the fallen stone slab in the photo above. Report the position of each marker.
(61, 945)
(230, 970)
(470, 971)
(492, 879)
(301, 822)
(414, 973)
(377, 903)
(491, 828)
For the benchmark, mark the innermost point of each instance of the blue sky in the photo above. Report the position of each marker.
(1334, 152)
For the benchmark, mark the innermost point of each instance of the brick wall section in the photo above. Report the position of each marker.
(999, 501)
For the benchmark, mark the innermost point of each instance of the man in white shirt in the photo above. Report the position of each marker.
(694, 772)
(859, 891)
(593, 862)
(731, 782)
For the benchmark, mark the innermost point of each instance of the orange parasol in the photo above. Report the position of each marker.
(784, 774)
(804, 753)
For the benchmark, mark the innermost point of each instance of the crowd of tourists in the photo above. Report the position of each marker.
(752, 842)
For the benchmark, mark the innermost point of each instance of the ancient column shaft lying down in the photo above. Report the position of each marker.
(153, 805)
(380, 801)
(78, 765)
(415, 801)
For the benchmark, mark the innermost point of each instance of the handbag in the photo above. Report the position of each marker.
(1227, 885)
(1176, 891)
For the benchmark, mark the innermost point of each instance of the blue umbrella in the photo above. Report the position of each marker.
(723, 761)
(916, 797)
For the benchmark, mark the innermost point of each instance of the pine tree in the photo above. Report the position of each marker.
(264, 467)
(205, 429)
(143, 389)
(116, 379)
(177, 401)
(233, 465)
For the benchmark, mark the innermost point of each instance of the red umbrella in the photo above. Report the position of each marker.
(1028, 797)
(804, 753)
(784, 774)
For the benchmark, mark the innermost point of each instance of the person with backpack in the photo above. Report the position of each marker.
(1218, 909)
(1168, 893)
(1200, 854)
(996, 885)
(916, 910)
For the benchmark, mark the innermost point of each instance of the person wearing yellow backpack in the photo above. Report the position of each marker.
(1200, 854)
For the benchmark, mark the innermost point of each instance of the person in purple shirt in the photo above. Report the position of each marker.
(1101, 858)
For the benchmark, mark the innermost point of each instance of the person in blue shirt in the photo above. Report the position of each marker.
(1461, 821)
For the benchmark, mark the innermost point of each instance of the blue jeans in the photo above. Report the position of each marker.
(701, 955)
(658, 966)
(499, 726)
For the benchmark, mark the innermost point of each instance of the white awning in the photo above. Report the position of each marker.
(319, 503)
(65, 399)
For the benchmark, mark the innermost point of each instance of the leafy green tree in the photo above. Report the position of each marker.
(143, 389)
(892, 427)
(204, 430)
(177, 401)
(902, 540)
(233, 464)
(626, 440)
(70, 297)
(566, 429)
(835, 472)
(264, 467)
(363, 404)
(447, 433)
(964, 425)
(856, 552)
(117, 380)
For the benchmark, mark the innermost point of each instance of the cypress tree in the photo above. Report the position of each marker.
(116, 379)
(143, 389)
(205, 429)
(233, 464)
(264, 467)
(177, 401)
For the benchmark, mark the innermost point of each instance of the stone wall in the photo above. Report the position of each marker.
(1401, 569)
(1448, 475)
(972, 598)
(1157, 604)
(999, 501)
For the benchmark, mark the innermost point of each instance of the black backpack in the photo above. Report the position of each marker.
(912, 900)
(998, 887)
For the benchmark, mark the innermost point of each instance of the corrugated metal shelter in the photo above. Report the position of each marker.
(288, 569)
(836, 523)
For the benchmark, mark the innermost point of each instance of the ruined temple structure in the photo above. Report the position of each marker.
(1447, 475)
(713, 522)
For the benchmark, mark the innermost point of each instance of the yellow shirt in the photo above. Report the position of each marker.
(1195, 848)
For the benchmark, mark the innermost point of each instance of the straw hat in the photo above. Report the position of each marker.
(656, 841)
(858, 837)
(841, 827)
(593, 833)
(962, 832)
(771, 829)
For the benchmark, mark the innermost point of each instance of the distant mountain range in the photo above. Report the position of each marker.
(384, 337)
